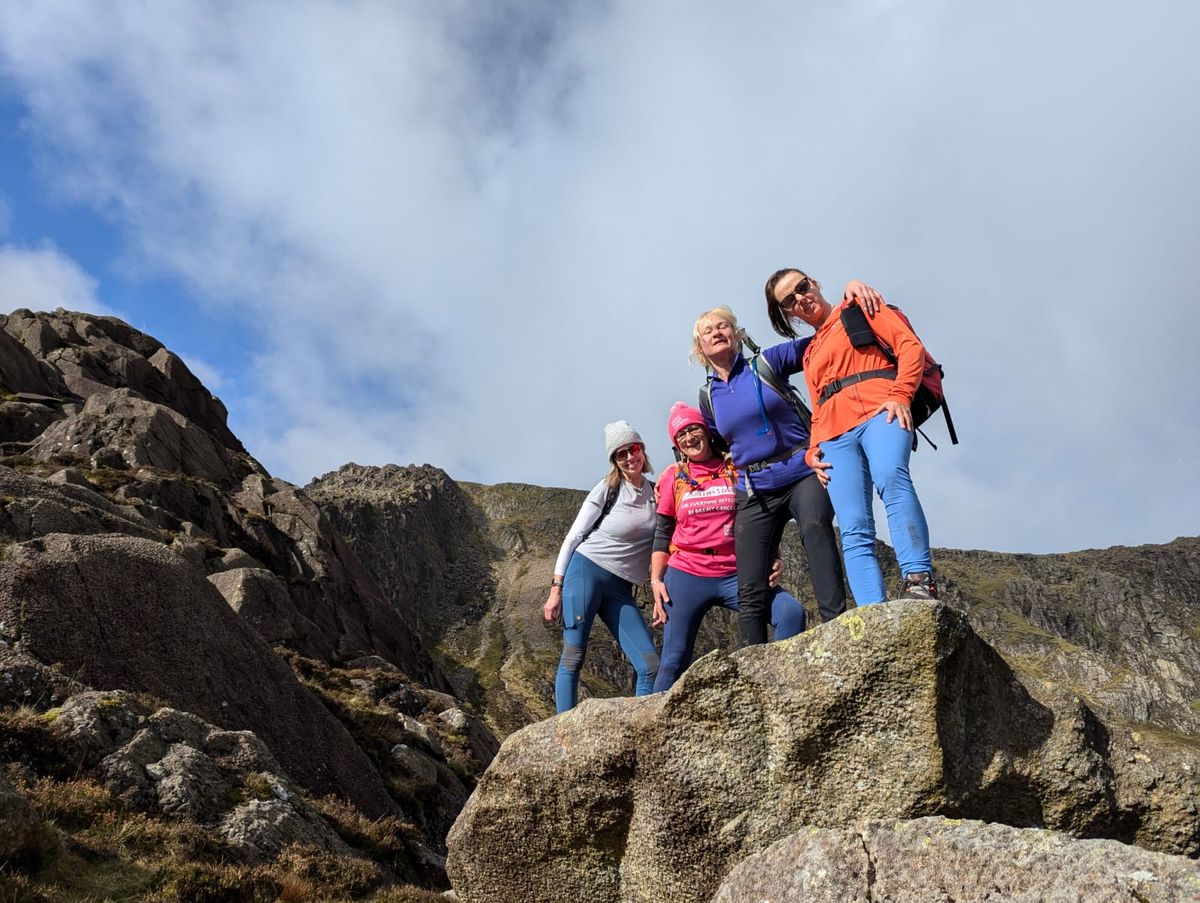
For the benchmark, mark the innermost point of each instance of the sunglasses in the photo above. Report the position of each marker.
(802, 288)
(622, 453)
(688, 432)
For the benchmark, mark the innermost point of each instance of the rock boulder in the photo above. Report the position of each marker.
(895, 711)
(941, 859)
(124, 613)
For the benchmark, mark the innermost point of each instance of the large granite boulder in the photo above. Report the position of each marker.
(895, 711)
(124, 613)
(941, 859)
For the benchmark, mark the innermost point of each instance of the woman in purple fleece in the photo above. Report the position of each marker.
(767, 439)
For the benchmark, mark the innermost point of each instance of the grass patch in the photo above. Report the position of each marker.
(105, 851)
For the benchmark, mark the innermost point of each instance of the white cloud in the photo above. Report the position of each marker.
(472, 238)
(43, 278)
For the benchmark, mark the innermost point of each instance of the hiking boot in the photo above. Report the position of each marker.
(918, 585)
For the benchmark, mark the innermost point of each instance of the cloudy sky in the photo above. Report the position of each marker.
(470, 234)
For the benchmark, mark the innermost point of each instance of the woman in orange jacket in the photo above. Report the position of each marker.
(862, 431)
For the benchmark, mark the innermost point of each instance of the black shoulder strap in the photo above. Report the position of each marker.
(706, 407)
(610, 499)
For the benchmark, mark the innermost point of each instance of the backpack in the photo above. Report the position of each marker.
(684, 480)
(929, 395)
(761, 368)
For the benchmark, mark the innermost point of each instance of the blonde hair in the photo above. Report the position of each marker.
(723, 313)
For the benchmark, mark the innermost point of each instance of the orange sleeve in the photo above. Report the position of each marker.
(910, 353)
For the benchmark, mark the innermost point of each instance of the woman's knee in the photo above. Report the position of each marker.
(646, 664)
(572, 658)
(891, 478)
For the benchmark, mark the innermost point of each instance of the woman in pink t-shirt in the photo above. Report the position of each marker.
(692, 567)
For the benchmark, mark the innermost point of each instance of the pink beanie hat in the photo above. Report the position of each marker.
(682, 415)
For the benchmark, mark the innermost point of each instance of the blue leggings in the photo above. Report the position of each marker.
(875, 452)
(691, 598)
(590, 590)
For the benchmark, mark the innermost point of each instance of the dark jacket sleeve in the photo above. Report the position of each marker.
(664, 529)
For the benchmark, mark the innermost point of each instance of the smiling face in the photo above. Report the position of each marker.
(693, 441)
(800, 296)
(630, 459)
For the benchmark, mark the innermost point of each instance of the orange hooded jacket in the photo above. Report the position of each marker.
(830, 356)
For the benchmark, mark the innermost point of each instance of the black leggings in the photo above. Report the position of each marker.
(757, 530)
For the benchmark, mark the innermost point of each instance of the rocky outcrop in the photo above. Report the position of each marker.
(896, 711)
(1119, 626)
(91, 355)
(23, 836)
(418, 535)
(175, 764)
(122, 613)
(121, 430)
(124, 418)
(940, 859)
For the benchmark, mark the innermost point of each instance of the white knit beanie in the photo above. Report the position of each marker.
(617, 435)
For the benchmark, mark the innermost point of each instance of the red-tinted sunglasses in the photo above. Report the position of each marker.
(622, 453)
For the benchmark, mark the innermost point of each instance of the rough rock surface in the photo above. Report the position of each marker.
(895, 711)
(91, 354)
(121, 429)
(938, 859)
(23, 837)
(125, 613)
(137, 425)
(469, 566)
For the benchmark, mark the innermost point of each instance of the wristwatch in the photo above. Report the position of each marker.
(554, 583)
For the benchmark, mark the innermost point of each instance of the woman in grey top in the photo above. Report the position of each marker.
(605, 555)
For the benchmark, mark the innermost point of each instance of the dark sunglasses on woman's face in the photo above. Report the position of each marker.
(688, 432)
(801, 288)
(623, 453)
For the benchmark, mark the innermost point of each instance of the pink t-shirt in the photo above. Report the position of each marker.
(703, 540)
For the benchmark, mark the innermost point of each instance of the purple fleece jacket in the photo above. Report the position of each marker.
(739, 418)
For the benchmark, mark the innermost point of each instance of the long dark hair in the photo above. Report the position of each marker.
(780, 321)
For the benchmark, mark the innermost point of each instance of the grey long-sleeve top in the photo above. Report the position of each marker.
(621, 544)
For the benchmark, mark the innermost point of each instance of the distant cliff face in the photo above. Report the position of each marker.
(472, 565)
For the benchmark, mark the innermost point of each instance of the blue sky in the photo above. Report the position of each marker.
(469, 235)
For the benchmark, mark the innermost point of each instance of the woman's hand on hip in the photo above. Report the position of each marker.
(553, 604)
(898, 411)
(820, 468)
(866, 297)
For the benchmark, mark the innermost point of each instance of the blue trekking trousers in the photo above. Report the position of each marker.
(691, 598)
(590, 590)
(875, 453)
